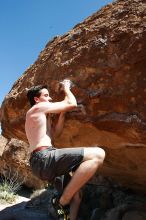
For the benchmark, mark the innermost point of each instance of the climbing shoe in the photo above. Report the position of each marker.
(58, 211)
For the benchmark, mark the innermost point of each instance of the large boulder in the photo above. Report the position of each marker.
(105, 58)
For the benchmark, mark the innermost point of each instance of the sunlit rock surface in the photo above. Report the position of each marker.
(14, 164)
(105, 58)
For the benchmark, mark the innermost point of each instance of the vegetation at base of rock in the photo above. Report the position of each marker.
(10, 183)
(7, 196)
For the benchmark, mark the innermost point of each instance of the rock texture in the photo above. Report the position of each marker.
(107, 202)
(105, 58)
(14, 163)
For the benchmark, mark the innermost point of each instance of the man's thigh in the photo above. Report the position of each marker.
(67, 159)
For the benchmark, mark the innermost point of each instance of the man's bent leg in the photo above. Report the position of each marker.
(74, 205)
(93, 158)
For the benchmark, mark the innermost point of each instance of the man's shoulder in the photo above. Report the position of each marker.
(41, 107)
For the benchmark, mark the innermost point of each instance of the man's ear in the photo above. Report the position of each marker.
(36, 99)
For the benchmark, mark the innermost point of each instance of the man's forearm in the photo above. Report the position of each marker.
(60, 124)
(69, 97)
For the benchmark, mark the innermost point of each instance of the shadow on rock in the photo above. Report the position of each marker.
(19, 211)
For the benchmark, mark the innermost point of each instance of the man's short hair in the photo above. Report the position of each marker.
(35, 91)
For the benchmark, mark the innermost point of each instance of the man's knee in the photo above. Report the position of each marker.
(94, 153)
(100, 154)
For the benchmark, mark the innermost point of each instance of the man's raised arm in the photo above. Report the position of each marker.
(69, 97)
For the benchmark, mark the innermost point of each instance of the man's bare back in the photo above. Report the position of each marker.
(38, 128)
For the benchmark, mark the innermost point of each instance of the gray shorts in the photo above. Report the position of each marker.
(49, 163)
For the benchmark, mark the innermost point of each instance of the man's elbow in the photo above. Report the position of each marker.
(74, 105)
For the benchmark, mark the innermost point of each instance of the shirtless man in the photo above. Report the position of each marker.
(48, 162)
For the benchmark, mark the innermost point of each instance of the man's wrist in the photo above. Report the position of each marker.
(67, 90)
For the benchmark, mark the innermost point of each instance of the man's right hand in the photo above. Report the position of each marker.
(66, 84)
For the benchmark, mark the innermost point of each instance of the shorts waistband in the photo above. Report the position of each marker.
(39, 149)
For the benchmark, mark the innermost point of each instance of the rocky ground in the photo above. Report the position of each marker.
(20, 199)
(104, 201)
(17, 210)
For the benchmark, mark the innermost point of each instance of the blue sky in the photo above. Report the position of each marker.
(27, 25)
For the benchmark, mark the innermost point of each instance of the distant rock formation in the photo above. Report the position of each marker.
(105, 58)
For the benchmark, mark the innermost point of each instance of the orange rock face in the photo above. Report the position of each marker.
(105, 58)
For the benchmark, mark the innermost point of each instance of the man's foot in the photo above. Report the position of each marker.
(58, 211)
